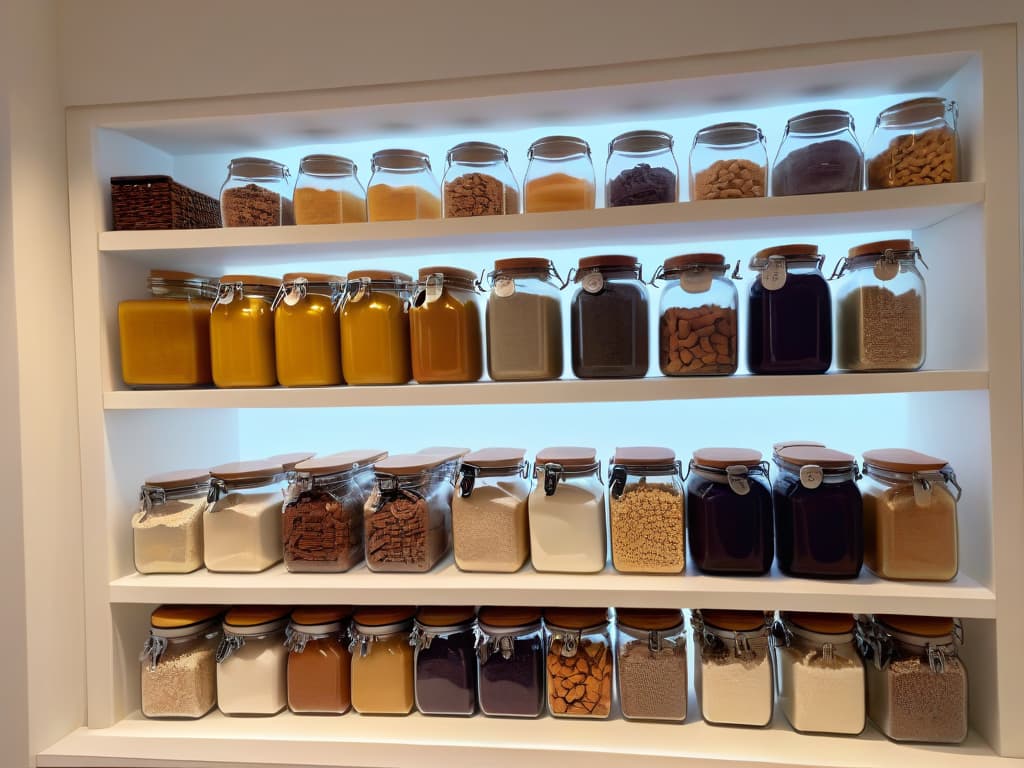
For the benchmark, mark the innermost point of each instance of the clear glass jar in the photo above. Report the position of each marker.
(645, 511)
(446, 326)
(641, 169)
(242, 521)
(559, 176)
(914, 142)
(819, 154)
(880, 308)
(178, 662)
(374, 317)
(489, 519)
(307, 339)
(478, 181)
(733, 669)
(524, 320)
(910, 519)
(168, 528)
(319, 662)
(819, 525)
(242, 332)
(917, 683)
(327, 191)
(382, 661)
(444, 661)
(651, 661)
(820, 673)
(789, 320)
(578, 643)
(698, 316)
(402, 187)
(252, 661)
(255, 194)
(322, 524)
(728, 160)
(566, 509)
(608, 318)
(510, 652)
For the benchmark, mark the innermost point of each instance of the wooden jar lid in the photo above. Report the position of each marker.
(311, 616)
(339, 462)
(181, 616)
(247, 470)
(736, 621)
(445, 615)
(576, 618)
(650, 619)
(903, 460)
(509, 616)
(643, 455)
(821, 623)
(379, 616)
(720, 458)
(495, 457)
(812, 454)
(567, 456)
(254, 615)
(923, 626)
(183, 478)
(289, 460)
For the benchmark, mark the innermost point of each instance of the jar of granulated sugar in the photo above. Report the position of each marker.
(168, 528)
(242, 521)
(734, 678)
(252, 661)
(651, 657)
(179, 671)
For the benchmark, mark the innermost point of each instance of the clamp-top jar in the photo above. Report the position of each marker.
(728, 160)
(242, 521)
(242, 332)
(374, 317)
(510, 650)
(641, 169)
(445, 326)
(733, 671)
(168, 527)
(914, 142)
(578, 643)
(252, 661)
(444, 660)
(819, 153)
(327, 191)
(319, 662)
(306, 336)
(402, 187)
(559, 176)
(382, 672)
(478, 181)
(256, 194)
(178, 661)
(651, 661)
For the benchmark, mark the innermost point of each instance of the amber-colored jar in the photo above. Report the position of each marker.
(319, 662)
(445, 326)
(242, 332)
(306, 334)
(375, 328)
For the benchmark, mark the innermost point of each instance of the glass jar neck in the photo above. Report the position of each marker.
(300, 482)
(738, 643)
(883, 645)
(477, 153)
(922, 113)
(235, 638)
(640, 143)
(811, 476)
(294, 291)
(257, 169)
(570, 637)
(821, 123)
(327, 165)
(559, 148)
(298, 636)
(400, 161)
(423, 635)
(220, 487)
(729, 136)
(362, 637)
(160, 639)
(922, 482)
(229, 292)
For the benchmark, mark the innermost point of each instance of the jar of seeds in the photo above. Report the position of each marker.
(179, 668)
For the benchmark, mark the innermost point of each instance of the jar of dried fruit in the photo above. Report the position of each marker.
(641, 169)
(728, 160)
(327, 191)
(178, 661)
(256, 194)
(579, 662)
(914, 142)
(651, 659)
(478, 181)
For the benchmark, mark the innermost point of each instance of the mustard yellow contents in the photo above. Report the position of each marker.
(308, 347)
(387, 203)
(446, 339)
(558, 192)
(903, 540)
(382, 680)
(375, 340)
(327, 206)
(165, 342)
(242, 344)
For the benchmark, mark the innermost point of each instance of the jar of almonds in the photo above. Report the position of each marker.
(728, 160)
(579, 662)
(915, 142)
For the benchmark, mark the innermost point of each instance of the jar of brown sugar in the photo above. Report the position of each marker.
(728, 160)
(256, 194)
(651, 658)
(478, 181)
(319, 662)
(579, 662)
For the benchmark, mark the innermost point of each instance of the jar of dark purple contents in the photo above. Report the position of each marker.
(789, 321)
(819, 153)
(445, 661)
(510, 654)
(729, 506)
(819, 530)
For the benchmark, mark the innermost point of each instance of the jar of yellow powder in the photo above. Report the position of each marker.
(402, 187)
(307, 338)
(328, 191)
(242, 332)
(560, 176)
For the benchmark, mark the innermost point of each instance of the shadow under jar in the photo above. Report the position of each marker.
(579, 662)
(382, 661)
(559, 176)
(641, 170)
(478, 181)
(651, 661)
(914, 142)
(168, 527)
(327, 191)
(178, 662)
(728, 161)
(444, 660)
(819, 154)
(242, 332)
(319, 662)
(445, 326)
(252, 661)
(242, 521)
(402, 187)
(307, 340)
(374, 317)
(256, 194)
(510, 652)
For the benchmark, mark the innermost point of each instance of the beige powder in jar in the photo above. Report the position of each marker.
(242, 532)
(821, 696)
(490, 527)
(183, 684)
(647, 529)
(169, 539)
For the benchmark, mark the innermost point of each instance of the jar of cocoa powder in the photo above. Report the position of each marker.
(478, 181)
(256, 194)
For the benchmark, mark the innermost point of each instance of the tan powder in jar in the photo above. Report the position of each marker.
(182, 684)
(647, 529)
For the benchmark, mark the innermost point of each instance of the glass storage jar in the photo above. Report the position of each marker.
(566, 509)
(733, 669)
(820, 673)
(322, 524)
(729, 510)
(328, 191)
(402, 187)
(242, 332)
(524, 320)
(819, 528)
(490, 529)
(178, 661)
(728, 160)
(789, 317)
(698, 316)
(319, 662)
(578, 643)
(165, 339)
(916, 681)
(478, 181)
(252, 661)
(608, 318)
(819, 153)
(445, 326)
(306, 335)
(382, 672)
(559, 176)
(374, 318)
(444, 660)
(510, 652)
(242, 521)
(910, 521)
(168, 527)
(255, 194)
(641, 169)
(646, 511)
(651, 661)
(914, 142)
(880, 301)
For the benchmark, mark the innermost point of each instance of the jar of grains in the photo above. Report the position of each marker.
(820, 673)
(578, 644)
(319, 663)
(445, 326)
(733, 670)
(567, 529)
(322, 527)
(382, 676)
(327, 191)
(559, 176)
(917, 684)
(651, 660)
(242, 521)
(728, 160)
(641, 169)
(910, 520)
(698, 325)
(510, 653)
(255, 194)
(819, 153)
(444, 660)
(242, 332)
(490, 529)
(252, 661)
(168, 528)
(178, 661)
(729, 511)
(402, 187)
(645, 502)
(374, 318)
(880, 317)
(478, 181)
(307, 339)
(914, 142)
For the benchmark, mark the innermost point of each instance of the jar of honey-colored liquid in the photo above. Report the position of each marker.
(242, 332)
(306, 334)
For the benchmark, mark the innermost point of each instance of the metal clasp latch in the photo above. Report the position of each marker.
(570, 642)
(654, 641)
(218, 488)
(617, 481)
(153, 649)
(228, 645)
(552, 474)
(294, 640)
(420, 639)
(467, 479)
(936, 659)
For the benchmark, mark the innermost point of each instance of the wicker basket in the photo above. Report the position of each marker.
(159, 202)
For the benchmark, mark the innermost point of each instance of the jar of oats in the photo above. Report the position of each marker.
(168, 527)
(915, 142)
(179, 668)
(728, 160)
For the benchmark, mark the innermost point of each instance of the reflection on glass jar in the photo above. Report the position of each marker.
(242, 332)
(178, 662)
(914, 142)
(327, 191)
